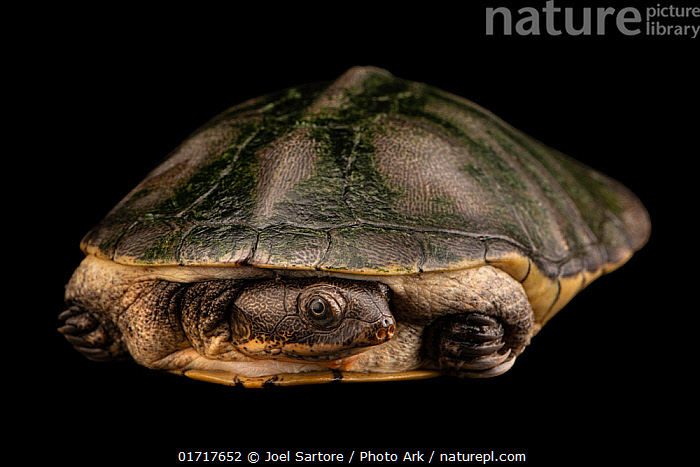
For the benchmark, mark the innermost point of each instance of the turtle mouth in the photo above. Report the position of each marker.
(330, 349)
(330, 356)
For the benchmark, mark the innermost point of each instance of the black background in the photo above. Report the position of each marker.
(106, 94)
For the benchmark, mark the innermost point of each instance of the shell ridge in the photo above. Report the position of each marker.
(583, 231)
(507, 200)
(595, 230)
(178, 249)
(120, 238)
(524, 156)
(224, 173)
(478, 154)
(253, 249)
(346, 185)
(611, 218)
(558, 199)
(326, 252)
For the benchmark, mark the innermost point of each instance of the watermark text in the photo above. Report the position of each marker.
(553, 20)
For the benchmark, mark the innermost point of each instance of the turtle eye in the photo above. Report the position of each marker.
(322, 313)
(317, 307)
(321, 310)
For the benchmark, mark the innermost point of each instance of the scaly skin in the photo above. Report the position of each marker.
(469, 323)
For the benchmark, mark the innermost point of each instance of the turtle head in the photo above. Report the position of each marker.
(314, 320)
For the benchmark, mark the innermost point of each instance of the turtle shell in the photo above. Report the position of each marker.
(371, 174)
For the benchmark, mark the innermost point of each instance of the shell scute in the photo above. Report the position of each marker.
(377, 175)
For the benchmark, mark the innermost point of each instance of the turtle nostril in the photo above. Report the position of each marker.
(386, 331)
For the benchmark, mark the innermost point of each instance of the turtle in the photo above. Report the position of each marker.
(369, 228)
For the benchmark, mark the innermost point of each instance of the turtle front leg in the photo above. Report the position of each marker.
(92, 337)
(469, 345)
(487, 323)
(478, 320)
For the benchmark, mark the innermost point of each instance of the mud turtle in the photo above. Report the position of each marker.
(371, 228)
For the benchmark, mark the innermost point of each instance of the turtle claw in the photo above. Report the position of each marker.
(470, 345)
(499, 369)
(478, 364)
(88, 335)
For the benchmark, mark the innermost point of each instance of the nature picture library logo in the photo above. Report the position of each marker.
(549, 18)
